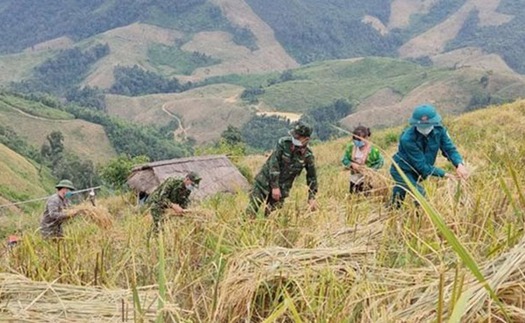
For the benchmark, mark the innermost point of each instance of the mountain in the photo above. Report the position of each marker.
(159, 58)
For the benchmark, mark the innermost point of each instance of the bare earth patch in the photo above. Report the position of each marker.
(270, 56)
(128, 46)
(286, 115)
(375, 23)
(401, 10)
(433, 41)
(475, 58)
(447, 95)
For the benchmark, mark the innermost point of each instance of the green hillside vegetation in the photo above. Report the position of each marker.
(34, 108)
(351, 260)
(61, 73)
(83, 19)
(135, 81)
(321, 30)
(505, 40)
(419, 23)
(321, 83)
(20, 180)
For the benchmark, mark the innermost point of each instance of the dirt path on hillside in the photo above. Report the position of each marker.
(36, 117)
(180, 131)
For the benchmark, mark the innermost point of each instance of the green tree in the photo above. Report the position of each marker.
(117, 171)
(52, 151)
(232, 135)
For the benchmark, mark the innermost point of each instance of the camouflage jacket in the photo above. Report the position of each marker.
(285, 164)
(172, 190)
(54, 216)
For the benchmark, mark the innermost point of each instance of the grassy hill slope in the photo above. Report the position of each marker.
(383, 91)
(20, 180)
(204, 112)
(386, 89)
(33, 121)
(351, 258)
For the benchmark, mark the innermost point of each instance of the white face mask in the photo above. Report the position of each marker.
(297, 142)
(424, 130)
(190, 187)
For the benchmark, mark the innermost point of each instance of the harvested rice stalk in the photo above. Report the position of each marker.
(98, 215)
(251, 269)
(32, 301)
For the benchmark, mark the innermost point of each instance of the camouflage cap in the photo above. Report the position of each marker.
(301, 129)
(194, 177)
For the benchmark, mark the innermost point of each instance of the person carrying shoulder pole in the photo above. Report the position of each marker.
(417, 152)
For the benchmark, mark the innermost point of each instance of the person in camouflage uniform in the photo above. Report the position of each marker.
(173, 193)
(274, 181)
(55, 213)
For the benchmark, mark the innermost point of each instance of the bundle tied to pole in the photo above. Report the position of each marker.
(96, 214)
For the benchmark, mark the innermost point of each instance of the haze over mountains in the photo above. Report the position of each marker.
(200, 65)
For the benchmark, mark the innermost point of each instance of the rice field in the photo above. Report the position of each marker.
(457, 258)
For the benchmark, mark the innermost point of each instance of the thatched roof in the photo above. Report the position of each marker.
(217, 172)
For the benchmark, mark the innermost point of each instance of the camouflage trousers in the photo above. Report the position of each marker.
(157, 215)
(261, 194)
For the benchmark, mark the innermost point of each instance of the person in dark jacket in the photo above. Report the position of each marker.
(55, 213)
(418, 149)
(274, 182)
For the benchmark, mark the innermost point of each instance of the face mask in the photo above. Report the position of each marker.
(297, 142)
(68, 195)
(359, 143)
(190, 187)
(424, 130)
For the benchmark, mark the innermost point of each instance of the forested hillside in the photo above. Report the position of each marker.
(320, 30)
(85, 18)
(506, 40)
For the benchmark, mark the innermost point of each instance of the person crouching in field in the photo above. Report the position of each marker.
(417, 152)
(274, 181)
(55, 213)
(360, 154)
(173, 194)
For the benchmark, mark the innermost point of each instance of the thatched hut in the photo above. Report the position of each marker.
(217, 172)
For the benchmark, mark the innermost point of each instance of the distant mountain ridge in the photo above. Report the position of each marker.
(196, 58)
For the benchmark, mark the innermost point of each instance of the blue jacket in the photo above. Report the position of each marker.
(417, 153)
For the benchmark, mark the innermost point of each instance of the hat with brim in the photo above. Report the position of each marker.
(65, 184)
(301, 129)
(425, 116)
(195, 178)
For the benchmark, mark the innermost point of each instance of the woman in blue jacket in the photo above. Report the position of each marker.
(418, 149)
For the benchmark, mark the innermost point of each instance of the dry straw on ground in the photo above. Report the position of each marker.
(31, 301)
(411, 294)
